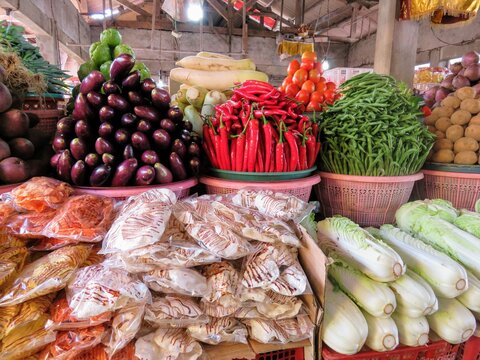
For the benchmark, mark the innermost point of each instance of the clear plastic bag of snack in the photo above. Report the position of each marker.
(49, 244)
(219, 239)
(174, 311)
(28, 313)
(85, 218)
(218, 330)
(69, 344)
(30, 224)
(138, 225)
(7, 313)
(6, 210)
(168, 344)
(164, 196)
(46, 275)
(268, 304)
(40, 193)
(27, 340)
(97, 289)
(125, 325)
(279, 205)
(280, 331)
(7, 272)
(94, 258)
(222, 282)
(177, 281)
(291, 282)
(61, 317)
(99, 353)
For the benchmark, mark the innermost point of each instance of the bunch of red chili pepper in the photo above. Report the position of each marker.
(260, 130)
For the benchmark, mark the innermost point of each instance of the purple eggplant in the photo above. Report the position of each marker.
(118, 102)
(147, 112)
(54, 160)
(177, 167)
(187, 125)
(175, 114)
(128, 152)
(163, 175)
(79, 173)
(59, 143)
(135, 98)
(144, 126)
(147, 86)
(145, 175)
(122, 136)
(92, 81)
(106, 113)
(149, 157)
(124, 172)
(103, 146)
(92, 160)
(168, 125)
(105, 129)
(121, 66)
(78, 148)
(194, 137)
(140, 141)
(128, 120)
(82, 109)
(64, 165)
(100, 175)
(194, 165)
(194, 150)
(132, 81)
(96, 99)
(160, 99)
(66, 126)
(82, 129)
(179, 148)
(185, 136)
(108, 159)
(162, 138)
(110, 87)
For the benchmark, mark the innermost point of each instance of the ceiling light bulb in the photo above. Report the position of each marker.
(195, 11)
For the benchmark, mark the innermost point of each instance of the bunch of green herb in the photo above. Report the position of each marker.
(374, 129)
(11, 39)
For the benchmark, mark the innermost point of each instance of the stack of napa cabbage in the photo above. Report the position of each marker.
(392, 285)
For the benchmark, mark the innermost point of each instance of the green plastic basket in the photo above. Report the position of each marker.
(261, 176)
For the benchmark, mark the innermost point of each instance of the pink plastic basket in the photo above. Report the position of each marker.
(7, 188)
(180, 188)
(367, 200)
(462, 189)
(301, 188)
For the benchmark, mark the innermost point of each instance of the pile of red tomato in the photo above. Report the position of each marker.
(306, 84)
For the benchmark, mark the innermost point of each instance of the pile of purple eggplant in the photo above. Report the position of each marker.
(123, 132)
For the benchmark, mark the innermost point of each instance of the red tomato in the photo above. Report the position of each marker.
(321, 87)
(308, 86)
(314, 75)
(291, 90)
(300, 77)
(313, 106)
(307, 64)
(292, 67)
(329, 96)
(287, 81)
(310, 55)
(317, 96)
(331, 85)
(318, 67)
(281, 88)
(303, 97)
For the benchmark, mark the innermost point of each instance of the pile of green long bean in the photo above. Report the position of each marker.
(374, 129)
(11, 39)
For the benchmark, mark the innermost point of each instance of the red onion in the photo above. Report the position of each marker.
(441, 94)
(460, 81)
(447, 82)
(472, 72)
(469, 58)
(456, 68)
(462, 72)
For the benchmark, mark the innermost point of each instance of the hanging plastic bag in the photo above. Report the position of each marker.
(174, 311)
(46, 275)
(218, 330)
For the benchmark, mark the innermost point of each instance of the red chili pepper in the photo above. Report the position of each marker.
(303, 157)
(293, 147)
(247, 96)
(253, 131)
(315, 130)
(271, 167)
(236, 97)
(233, 154)
(257, 114)
(267, 140)
(218, 151)
(254, 89)
(240, 152)
(280, 153)
(225, 153)
(318, 146)
(258, 83)
(311, 149)
(209, 147)
(287, 157)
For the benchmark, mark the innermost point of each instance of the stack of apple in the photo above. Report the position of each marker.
(306, 84)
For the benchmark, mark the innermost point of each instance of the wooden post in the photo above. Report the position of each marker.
(104, 23)
(384, 40)
(298, 12)
(244, 31)
(404, 51)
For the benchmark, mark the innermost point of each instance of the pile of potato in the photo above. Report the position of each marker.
(456, 123)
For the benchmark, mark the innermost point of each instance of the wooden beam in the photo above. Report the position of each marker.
(250, 3)
(323, 23)
(135, 8)
(219, 8)
(298, 12)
